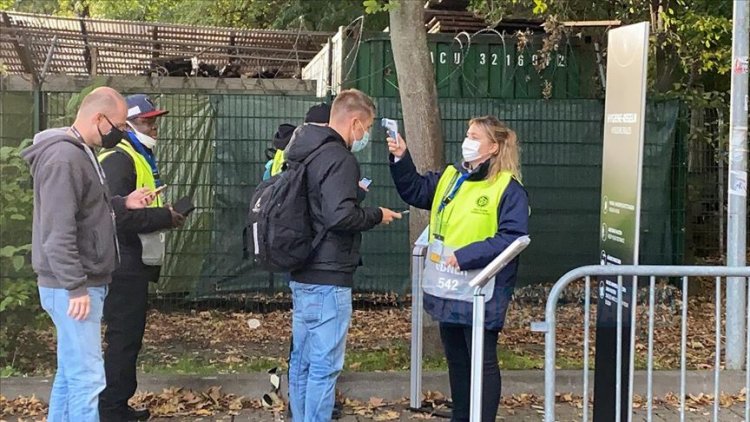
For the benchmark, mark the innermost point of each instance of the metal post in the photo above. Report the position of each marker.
(415, 391)
(737, 189)
(548, 327)
(37, 121)
(477, 355)
(477, 329)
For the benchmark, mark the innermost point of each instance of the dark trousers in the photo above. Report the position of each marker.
(125, 316)
(457, 345)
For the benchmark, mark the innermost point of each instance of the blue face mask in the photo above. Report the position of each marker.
(360, 144)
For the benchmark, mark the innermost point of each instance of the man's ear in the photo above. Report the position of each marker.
(96, 119)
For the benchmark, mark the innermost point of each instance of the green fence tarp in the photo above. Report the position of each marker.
(185, 150)
(212, 146)
(16, 117)
(561, 155)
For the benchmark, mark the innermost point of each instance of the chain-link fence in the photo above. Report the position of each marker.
(707, 181)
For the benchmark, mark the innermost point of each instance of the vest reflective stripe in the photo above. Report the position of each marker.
(278, 162)
(144, 177)
(472, 214)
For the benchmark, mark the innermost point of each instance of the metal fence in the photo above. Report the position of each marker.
(212, 146)
(632, 273)
(707, 178)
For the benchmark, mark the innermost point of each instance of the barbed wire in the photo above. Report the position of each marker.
(465, 41)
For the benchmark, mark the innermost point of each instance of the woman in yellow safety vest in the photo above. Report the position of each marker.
(478, 207)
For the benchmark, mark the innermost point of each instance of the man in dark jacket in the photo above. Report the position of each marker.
(322, 290)
(131, 165)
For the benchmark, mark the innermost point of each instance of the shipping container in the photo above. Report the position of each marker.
(488, 65)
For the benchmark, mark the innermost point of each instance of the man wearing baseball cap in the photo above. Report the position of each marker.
(129, 166)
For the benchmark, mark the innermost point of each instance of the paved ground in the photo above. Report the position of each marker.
(565, 413)
(394, 386)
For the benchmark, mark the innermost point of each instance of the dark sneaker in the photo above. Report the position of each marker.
(137, 414)
(337, 410)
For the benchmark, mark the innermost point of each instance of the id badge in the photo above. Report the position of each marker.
(436, 251)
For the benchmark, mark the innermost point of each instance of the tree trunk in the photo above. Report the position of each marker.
(416, 83)
(666, 58)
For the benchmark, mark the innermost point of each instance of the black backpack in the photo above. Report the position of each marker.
(279, 231)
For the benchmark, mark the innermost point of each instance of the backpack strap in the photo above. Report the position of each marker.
(317, 152)
(318, 237)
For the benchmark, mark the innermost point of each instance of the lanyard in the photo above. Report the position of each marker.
(91, 156)
(147, 155)
(102, 177)
(456, 183)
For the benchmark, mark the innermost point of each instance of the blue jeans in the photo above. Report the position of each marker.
(80, 367)
(320, 323)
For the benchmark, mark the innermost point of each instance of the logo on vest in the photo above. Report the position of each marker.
(482, 201)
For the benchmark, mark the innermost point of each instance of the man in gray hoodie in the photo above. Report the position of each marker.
(74, 248)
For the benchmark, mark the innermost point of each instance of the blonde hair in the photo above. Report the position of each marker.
(508, 156)
(352, 101)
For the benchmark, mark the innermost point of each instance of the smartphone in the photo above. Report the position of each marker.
(365, 182)
(158, 190)
(184, 206)
(391, 126)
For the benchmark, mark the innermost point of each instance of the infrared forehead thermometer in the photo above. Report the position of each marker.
(391, 126)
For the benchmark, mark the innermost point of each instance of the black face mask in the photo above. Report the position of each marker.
(111, 138)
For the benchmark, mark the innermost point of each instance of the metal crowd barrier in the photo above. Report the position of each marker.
(477, 329)
(685, 272)
(417, 270)
(477, 349)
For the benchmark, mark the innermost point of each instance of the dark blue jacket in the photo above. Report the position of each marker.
(513, 222)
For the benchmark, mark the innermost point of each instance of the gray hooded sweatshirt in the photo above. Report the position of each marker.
(73, 241)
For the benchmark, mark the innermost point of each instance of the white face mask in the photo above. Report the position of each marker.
(470, 150)
(146, 140)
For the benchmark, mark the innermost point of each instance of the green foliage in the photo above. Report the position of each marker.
(71, 107)
(690, 45)
(19, 304)
(540, 6)
(30, 6)
(494, 11)
(375, 6)
(694, 34)
(325, 16)
(312, 15)
(703, 40)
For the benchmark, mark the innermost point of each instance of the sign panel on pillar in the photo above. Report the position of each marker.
(622, 163)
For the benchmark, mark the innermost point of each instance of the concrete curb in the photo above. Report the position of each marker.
(395, 385)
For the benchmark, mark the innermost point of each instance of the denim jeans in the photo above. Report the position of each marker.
(80, 367)
(320, 323)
